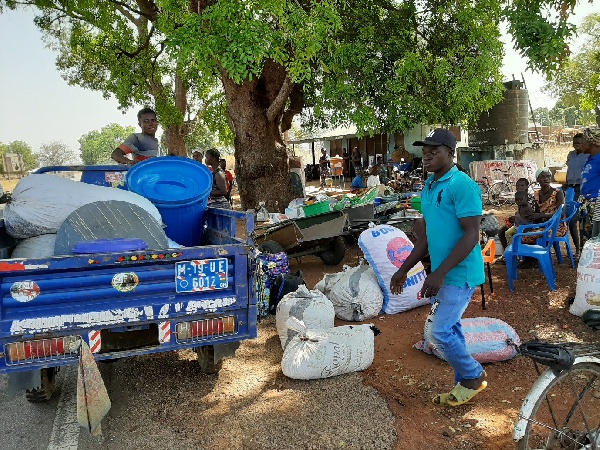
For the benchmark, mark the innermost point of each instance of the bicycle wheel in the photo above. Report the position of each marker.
(484, 193)
(500, 194)
(567, 413)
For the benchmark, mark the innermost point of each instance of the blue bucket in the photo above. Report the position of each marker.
(179, 188)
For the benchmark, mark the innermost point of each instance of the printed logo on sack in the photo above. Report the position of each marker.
(398, 250)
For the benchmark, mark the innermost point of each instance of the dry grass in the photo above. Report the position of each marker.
(9, 185)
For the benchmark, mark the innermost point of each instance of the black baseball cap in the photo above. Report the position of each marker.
(439, 136)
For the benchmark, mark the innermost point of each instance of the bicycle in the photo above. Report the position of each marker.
(501, 192)
(496, 192)
(562, 409)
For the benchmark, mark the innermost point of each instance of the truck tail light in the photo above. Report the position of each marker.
(42, 349)
(205, 329)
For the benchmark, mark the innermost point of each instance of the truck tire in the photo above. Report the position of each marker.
(270, 247)
(335, 254)
(206, 359)
(44, 393)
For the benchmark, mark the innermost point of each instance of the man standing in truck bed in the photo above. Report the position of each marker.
(142, 145)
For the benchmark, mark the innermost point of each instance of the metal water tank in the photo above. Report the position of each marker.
(505, 123)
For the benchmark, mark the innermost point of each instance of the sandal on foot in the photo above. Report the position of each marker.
(459, 395)
(441, 399)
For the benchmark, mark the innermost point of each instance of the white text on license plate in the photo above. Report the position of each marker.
(201, 275)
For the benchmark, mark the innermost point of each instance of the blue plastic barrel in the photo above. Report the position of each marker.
(179, 188)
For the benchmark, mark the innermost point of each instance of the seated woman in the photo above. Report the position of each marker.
(548, 200)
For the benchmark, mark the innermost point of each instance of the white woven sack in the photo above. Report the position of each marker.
(356, 296)
(327, 283)
(41, 246)
(40, 203)
(386, 248)
(311, 307)
(587, 293)
(314, 354)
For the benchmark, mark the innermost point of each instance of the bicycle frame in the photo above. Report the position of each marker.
(537, 391)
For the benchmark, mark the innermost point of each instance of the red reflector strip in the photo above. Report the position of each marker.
(206, 328)
(41, 349)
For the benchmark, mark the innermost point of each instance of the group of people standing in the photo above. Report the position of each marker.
(138, 147)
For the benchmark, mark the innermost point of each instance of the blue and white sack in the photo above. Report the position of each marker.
(386, 248)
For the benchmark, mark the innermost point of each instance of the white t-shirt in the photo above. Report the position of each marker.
(372, 181)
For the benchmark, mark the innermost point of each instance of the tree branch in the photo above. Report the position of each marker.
(279, 102)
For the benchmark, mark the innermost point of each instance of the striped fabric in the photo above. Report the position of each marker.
(487, 339)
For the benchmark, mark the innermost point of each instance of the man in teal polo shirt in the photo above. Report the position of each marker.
(451, 205)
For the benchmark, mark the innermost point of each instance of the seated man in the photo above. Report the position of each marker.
(357, 182)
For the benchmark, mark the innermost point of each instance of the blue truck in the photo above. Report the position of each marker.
(127, 303)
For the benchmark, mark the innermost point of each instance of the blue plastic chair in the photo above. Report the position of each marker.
(571, 209)
(540, 250)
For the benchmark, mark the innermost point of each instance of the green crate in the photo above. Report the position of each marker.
(316, 208)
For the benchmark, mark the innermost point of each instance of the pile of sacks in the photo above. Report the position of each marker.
(313, 347)
(363, 292)
(41, 202)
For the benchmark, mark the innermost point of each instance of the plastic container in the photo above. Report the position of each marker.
(316, 208)
(179, 188)
(415, 203)
(109, 245)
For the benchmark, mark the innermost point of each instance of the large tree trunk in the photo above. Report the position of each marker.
(173, 140)
(597, 111)
(261, 160)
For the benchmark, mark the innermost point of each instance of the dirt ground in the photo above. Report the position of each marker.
(408, 379)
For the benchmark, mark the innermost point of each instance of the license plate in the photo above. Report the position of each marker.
(201, 275)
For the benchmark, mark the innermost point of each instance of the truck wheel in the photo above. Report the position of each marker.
(336, 252)
(206, 359)
(44, 393)
(270, 247)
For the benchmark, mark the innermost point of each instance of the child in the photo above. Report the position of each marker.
(522, 185)
(524, 215)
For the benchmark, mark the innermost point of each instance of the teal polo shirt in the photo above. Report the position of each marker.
(443, 203)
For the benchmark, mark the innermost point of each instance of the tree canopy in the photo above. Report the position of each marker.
(578, 85)
(20, 148)
(97, 146)
(247, 68)
(55, 153)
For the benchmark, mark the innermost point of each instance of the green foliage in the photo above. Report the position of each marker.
(97, 146)
(20, 148)
(578, 84)
(540, 30)
(379, 65)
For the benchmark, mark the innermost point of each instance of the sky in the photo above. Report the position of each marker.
(37, 106)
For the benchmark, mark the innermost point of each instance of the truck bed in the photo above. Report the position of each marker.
(124, 304)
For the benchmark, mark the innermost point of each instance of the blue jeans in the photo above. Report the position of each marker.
(443, 330)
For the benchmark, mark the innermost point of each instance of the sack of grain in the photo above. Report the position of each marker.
(40, 203)
(587, 293)
(386, 248)
(356, 296)
(314, 354)
(310, 307)
(328, 282)
(488, 340)
(41, 246)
